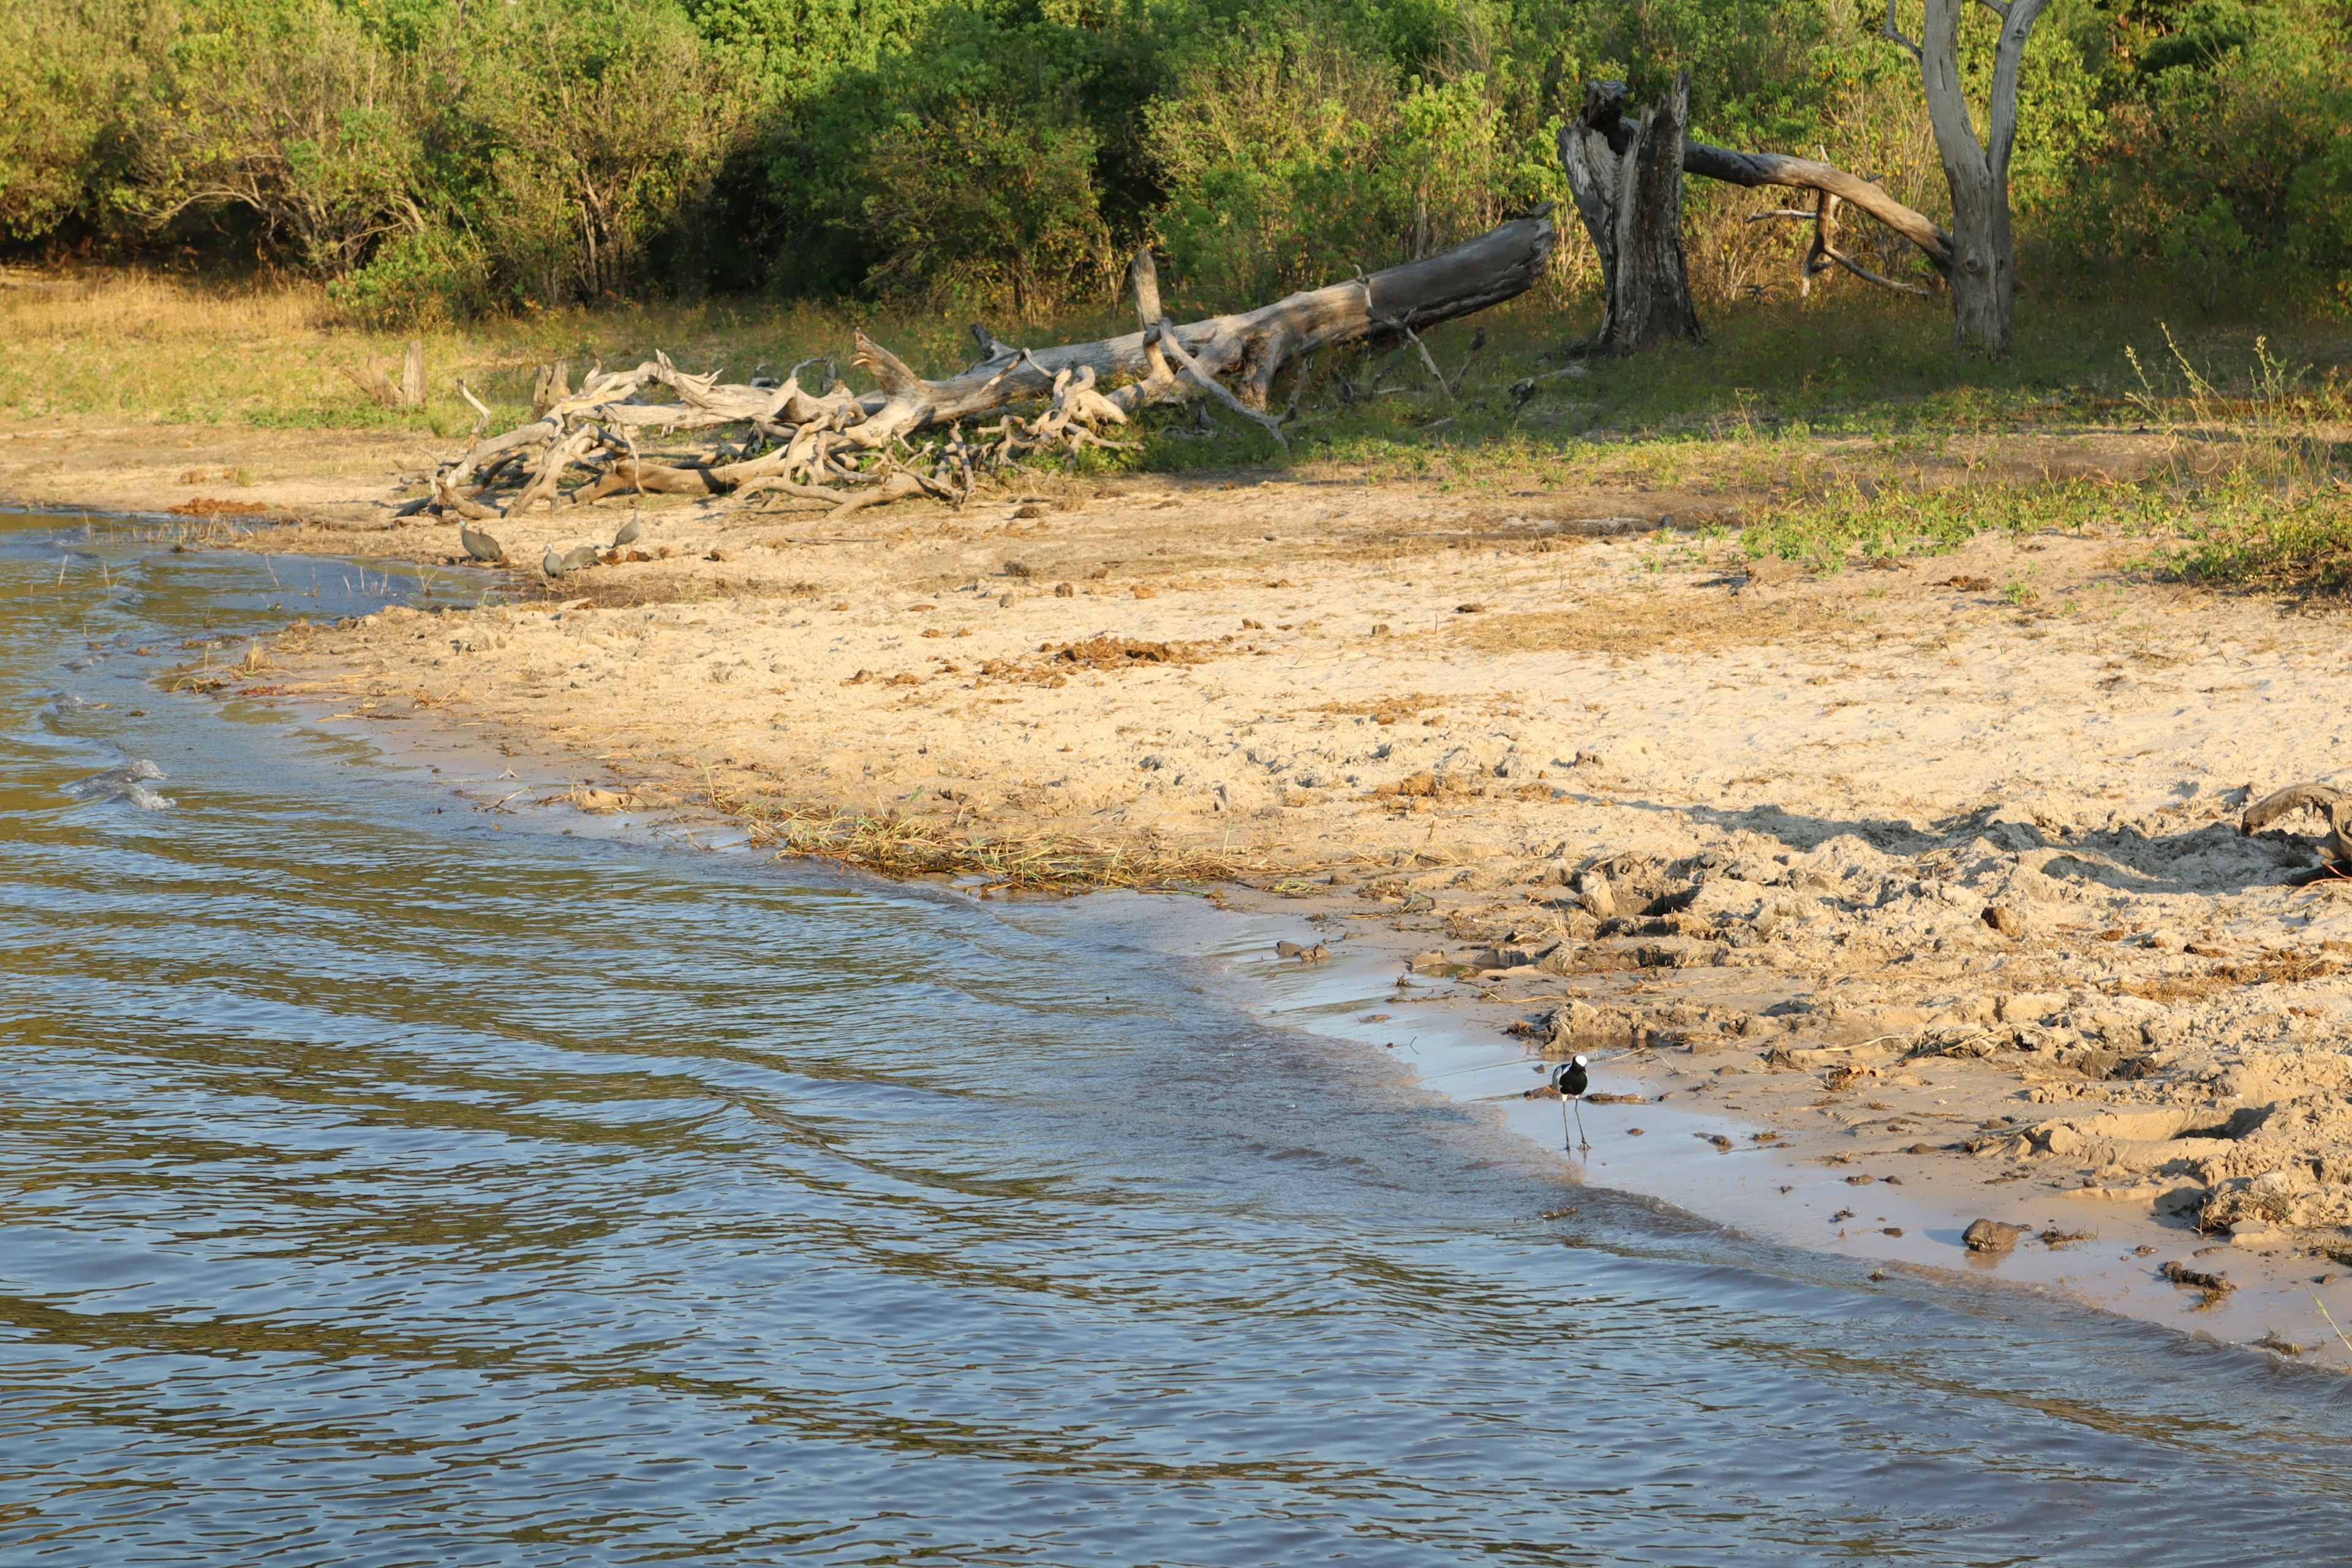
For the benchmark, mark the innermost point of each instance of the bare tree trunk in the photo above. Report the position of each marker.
(412, 376)
(1982, 273)
(1628, 181)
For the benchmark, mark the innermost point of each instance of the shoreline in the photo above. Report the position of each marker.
(1636, 790)
(1447, 1041)
(1787, 1185)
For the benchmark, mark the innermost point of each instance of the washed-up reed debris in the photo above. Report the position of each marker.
(2214, 1286)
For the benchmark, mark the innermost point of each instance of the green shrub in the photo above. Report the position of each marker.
(599, 124)
(293, 111)
(73, 70)
(418, 280)
(979, 204)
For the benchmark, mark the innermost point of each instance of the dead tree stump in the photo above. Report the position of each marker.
(1627, 179)
(412, 376)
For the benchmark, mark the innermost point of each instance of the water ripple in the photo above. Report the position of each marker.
(380, 1190)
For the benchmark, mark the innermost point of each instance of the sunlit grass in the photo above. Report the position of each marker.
(1817, 416)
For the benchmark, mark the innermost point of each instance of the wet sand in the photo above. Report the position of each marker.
(1759, 1153)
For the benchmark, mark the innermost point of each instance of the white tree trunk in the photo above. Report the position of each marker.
(1982, 270)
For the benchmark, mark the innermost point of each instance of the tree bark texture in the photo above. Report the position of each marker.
(1628, 182)
(1982, 273)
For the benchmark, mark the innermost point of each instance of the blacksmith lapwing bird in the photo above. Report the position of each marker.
(1571, 1081)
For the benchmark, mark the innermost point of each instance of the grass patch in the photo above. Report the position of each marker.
(1826, 429)
(1850, 521)
(2300, 546)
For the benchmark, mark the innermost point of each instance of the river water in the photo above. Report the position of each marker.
(385, 1181)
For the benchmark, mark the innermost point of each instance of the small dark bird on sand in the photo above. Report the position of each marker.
(580, 557)
(627, 535)
(551, 563)
(479, 545)
(1571, 1080)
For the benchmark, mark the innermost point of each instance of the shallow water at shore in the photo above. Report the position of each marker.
(390, 1181)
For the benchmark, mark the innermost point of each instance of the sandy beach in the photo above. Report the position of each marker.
(1927, 873)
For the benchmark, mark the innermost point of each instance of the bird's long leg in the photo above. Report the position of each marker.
(1563, 1123)
(1579, 1103)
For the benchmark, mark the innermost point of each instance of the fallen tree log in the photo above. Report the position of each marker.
(853, 451)
(1252, 347)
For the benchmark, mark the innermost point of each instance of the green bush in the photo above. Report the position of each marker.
(418, 280)
(294, 112)
(437, 155)
(596, 124)
(980, 204)
(72, 71)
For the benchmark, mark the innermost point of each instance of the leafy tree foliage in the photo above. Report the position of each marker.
(438, 156)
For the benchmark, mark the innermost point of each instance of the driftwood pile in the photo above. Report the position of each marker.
(912, 437)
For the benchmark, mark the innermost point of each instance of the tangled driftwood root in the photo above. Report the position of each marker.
(912, 437)
(2334, 805)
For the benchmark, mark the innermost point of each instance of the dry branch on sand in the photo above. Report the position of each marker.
(2335, 847)
(850, 450)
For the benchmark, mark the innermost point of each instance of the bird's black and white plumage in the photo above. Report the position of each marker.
(479, 545)
(1571, 1079)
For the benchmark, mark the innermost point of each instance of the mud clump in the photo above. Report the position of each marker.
(2214, 1285)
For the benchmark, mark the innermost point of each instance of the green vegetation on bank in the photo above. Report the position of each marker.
(432, 160)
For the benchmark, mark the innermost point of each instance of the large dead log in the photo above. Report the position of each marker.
(853, 451)
(1252, 347)
(1628, 181)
